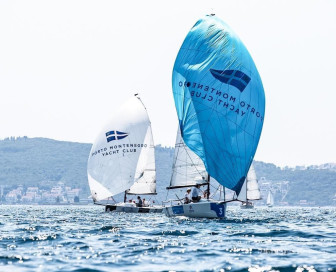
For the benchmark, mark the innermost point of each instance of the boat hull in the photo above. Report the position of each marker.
(247, 206)
(126, 209)
(208, 209)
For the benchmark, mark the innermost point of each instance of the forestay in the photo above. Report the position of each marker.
(123, 153)
(219, 99)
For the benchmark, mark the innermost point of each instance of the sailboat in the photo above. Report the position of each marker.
(220, 104)
(270, 199)
(122, 160)
(250, 190)
(189, 170)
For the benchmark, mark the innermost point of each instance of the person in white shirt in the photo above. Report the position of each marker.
(187, 197)
(196, 193)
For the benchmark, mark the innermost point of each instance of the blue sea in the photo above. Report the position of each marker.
(85, 238)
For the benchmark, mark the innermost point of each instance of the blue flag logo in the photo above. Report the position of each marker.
(115, 135)
(235, 78)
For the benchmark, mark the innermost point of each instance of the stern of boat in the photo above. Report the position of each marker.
(206, 209)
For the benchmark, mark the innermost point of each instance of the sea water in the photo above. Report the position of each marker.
(85, 238)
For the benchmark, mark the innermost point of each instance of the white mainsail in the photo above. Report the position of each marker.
(188, 168)
(250, 189)
(270, 200)
(123, 153)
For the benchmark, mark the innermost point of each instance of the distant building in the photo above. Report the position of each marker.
(15, 195)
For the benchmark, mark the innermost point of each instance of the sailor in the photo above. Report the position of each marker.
(139, 204)
(187, 197)
(94, 196)
(196, 193)
(144, 203)
(206, 194)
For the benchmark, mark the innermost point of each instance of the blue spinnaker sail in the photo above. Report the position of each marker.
(220, 100)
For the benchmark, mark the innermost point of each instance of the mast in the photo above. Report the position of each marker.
(246, 192)
(125, 197)
(208, 194)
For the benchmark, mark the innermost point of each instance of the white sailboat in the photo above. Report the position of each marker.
(270, 199)
(122, 159)
(250, 190)
(189, 170)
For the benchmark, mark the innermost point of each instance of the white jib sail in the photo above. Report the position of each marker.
(114, 156)
(250, 189)
(188, 168)
(145, 175)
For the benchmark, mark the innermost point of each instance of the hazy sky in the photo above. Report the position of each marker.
(65, 66)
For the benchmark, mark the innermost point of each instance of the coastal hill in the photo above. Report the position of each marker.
(44, 162)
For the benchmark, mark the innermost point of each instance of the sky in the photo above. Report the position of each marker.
(66, 66)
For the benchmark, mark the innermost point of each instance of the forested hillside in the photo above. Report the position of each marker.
(44, 162)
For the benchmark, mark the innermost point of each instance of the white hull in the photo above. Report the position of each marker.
(130, 209)
(203, 209)
(247, 206)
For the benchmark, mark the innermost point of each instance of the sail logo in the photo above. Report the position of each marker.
(115, 135)
(235, 78)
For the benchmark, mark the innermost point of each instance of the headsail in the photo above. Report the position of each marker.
(219, 99)
(250, 189)
(188, 168)
(115, 162)
(145, 175)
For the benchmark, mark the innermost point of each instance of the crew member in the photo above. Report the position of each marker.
(139, 204)
(187, 197)
(196, 193)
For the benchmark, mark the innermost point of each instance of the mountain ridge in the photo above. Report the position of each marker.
(43, 162)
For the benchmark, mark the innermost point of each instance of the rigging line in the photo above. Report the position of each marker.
(142, 151)
(192, 160)
(213, 186)
(156, 200)
(213, 194)
(185, 148)
(177, 150)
